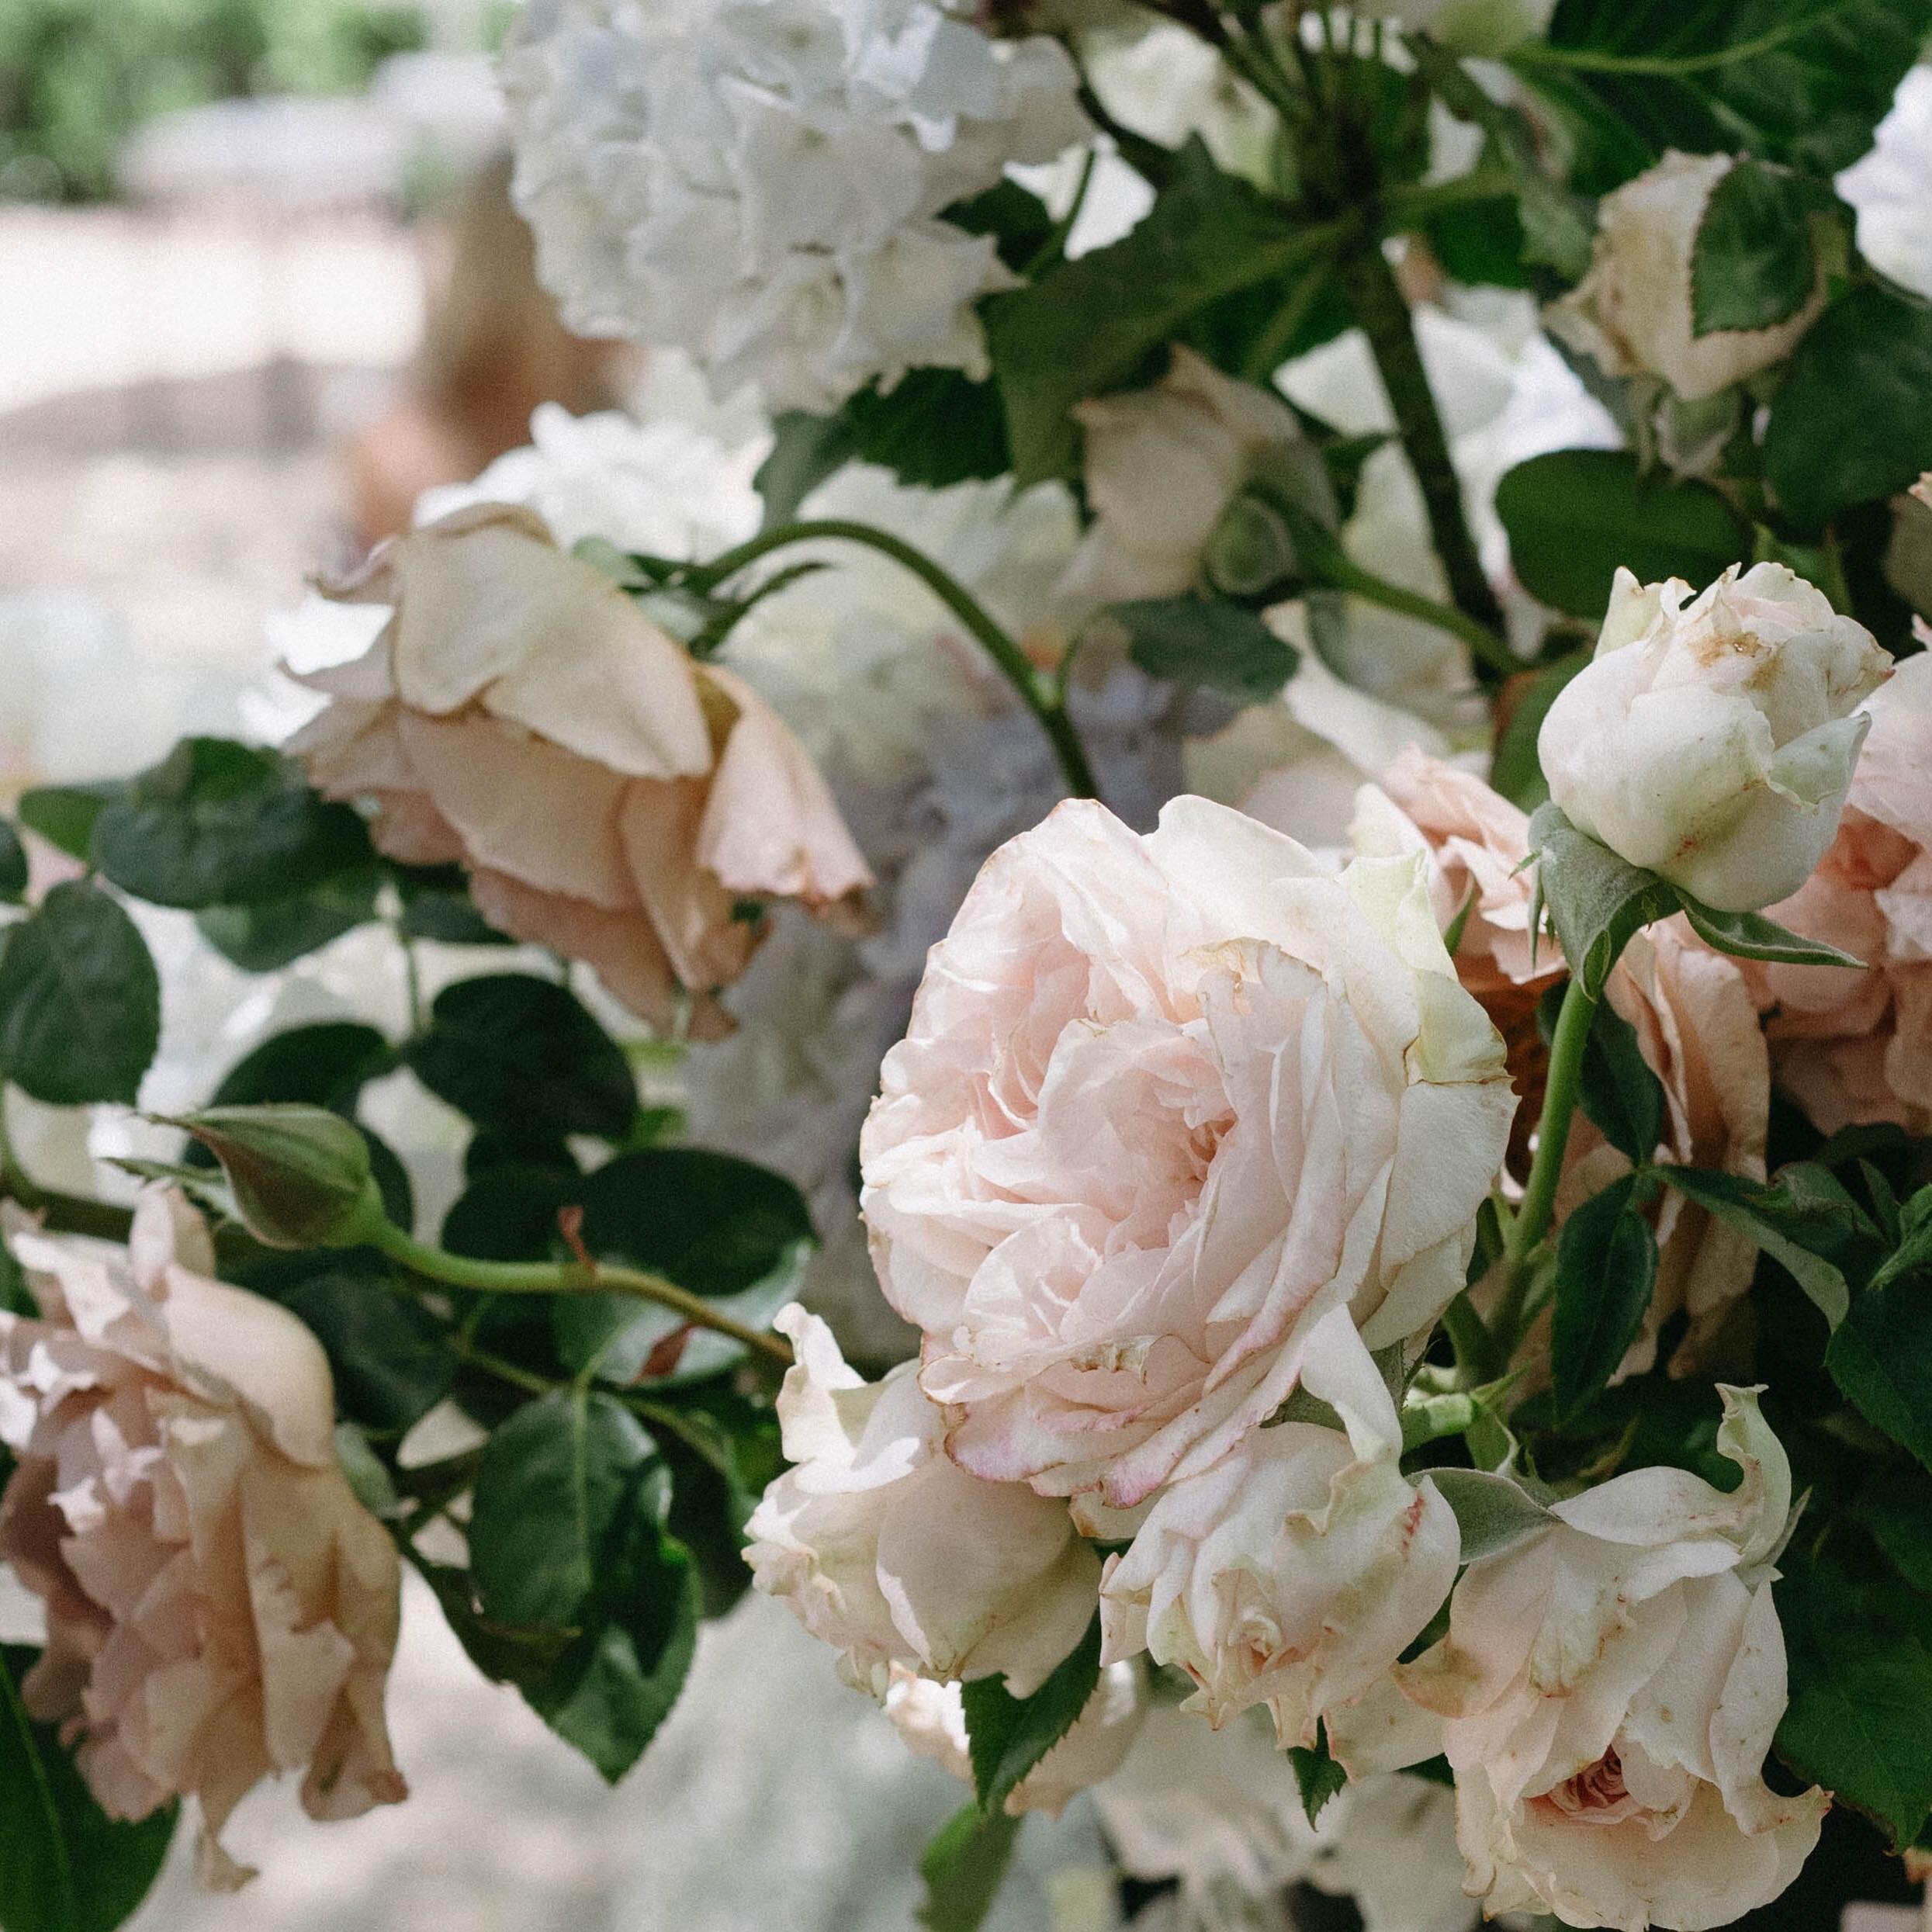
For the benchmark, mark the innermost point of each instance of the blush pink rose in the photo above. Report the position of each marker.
(611, 797)
(1165, 1101)
(219, 1606)
(884, 1548)
(1856, 1048)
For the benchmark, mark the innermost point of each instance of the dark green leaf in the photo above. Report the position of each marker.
(1021, 222)
(265, 937)
(1202, 641)
(1618, 1090)
(1754, 264)
(1751, 935)
(1088, 324)
(437, 904)
(1316, 1773)
(64, 1865)
(64, 814)
(554, 1499)
(1850, 423)
(1574, 515)
(217, 823)
(936, 427)
(326, 1065)
(505, 1653)
(510, 1050)
(1860, 1681)
(1895, 1507)
(963, 1867)
(1008, 1736)
(805, 449)
(1517, 772)
(1606, 1267)
(391, 1365)
(13, 865)
(80, 1001)
(1493, 1513)
(1911, 1234)
(1880, 1356)
(1596, 900)
(509, 1213)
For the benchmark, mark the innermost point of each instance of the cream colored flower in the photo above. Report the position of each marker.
(219, 1607)
(1633, 311)
(612, 798)
(1295, 1571)
(885, 1549)
(1163, 1102)
(1712, 740)
(1609, 1691)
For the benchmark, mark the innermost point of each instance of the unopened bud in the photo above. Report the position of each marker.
(301, 1175)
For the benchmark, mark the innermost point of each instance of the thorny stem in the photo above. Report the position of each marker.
(1037, 692)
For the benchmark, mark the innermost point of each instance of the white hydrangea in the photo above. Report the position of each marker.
(761, 182)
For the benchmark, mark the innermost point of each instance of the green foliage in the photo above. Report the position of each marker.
(1317, 1775)
(1850, 423)
(1755, 262)
(512, 1051)
(1493, 1513)
(64, 814)
(1516, 771)
(1574, 515)
(217, 823)
(65, 1866)
(963, 1867)
(1090, 325)
(13, 865)
(327, 1064)
(1616, 1088)
(80, 1001)
(1204, 641)
(273, 933)
(1606, 1267)
(391, 1364)
(1007, 1735)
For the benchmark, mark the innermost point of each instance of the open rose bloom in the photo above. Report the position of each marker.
(612, 797)
(1164, 1102)
(219, 1607)
(1608, 1691)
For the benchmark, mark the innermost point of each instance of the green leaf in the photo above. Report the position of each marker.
(1495, 1513)
(1596, 900)
(265, 937)
(805, 449)
(1574, 515)
(1087, 325)
(1809, 81)
(64, 814)
(13, 865)
(437, 905)
(1606, 1267)
(963, 1867)
(1912, 1235)
(559, 1482)
(1850, 425)
(1880, 1356)
(80, 1001)
(1895, 1508)
(65, 1866)
(1754, 263)
(326, 1065)
(217, 823)
(1617, 1089)
(1809, 1232)
(1861, 1682)
(391, 1363)
(1751, 935)
(1008, 1736)
(935, 428)
(510, 1050)
(1202, 641)
(1516, 771)
(1317, 1775)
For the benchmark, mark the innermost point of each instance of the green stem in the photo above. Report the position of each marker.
(1383, 315)
(1036, 692)
(556, 1278)
(1404, 209)
(1552, 1130)
(1475, 1346)
(1270, 349)
(1487, 646)
(1590, 61)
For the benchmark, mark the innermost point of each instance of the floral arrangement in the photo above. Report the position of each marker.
(1240, 1084)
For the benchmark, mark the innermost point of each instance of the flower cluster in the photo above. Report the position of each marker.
(765, 184)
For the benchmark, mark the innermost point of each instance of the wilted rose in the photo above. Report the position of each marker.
(612, 797)
(1295, 1571)
(885, 1549)
(931, 1717)
(1163, 1102)
(1633, 311)
(1855, 1049)
(1609, 1690)
(1712, 740)
(219, 1606)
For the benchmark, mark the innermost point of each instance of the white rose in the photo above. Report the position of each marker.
(883, 1548)
(931, 1717)
(1633, 311)
(1609, 1691)
(1713, 741)
(1295, 1571)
